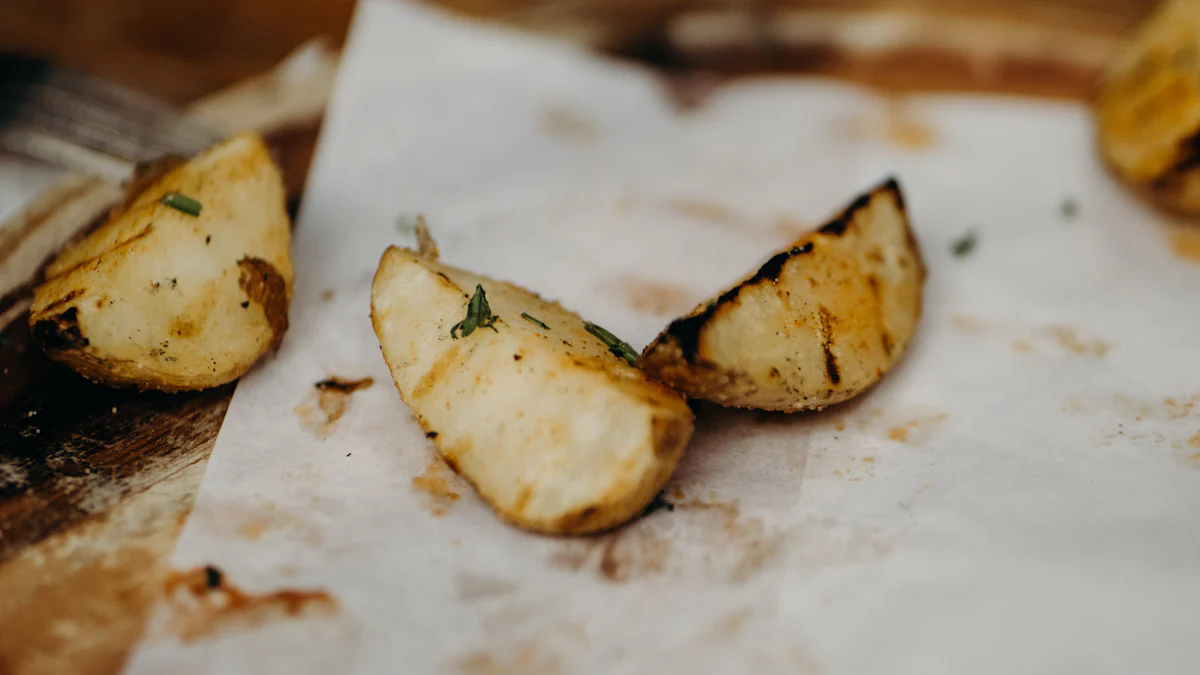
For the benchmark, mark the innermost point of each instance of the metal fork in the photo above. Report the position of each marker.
(86, 124)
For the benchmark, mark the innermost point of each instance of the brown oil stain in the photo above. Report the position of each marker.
(731, 625)
(650, 296)
(328, 403)
(1167, 422)
(1185, 242)
(968, 324)
(1068, 338)
(617, 557)
(437, 484)
(327, 295)
(895, 126)
(915, 431)
(570, 125)
(522, 659)
(1194, 441)
(1022, 346)
(703, 209)
(475, 587)
(204, 602)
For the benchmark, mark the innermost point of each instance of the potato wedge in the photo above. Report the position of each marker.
(555, 431)
(1148, 109)
(157, 298)
(818, 323)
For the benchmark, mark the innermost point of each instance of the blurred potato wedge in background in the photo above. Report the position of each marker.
(817, 324)
(1148, 108)
(540, 411)
(184, 286)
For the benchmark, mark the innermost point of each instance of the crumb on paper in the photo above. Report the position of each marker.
(203, 602)
(1069, 208)
(964, 245)
(328, 402)
(565, 124)
(327, 295)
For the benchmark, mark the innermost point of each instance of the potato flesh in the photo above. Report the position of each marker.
(817, 324)
(154, 298)
(1148, 109)
(556, 433)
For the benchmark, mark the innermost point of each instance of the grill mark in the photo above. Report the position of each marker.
(62, 301)
(686, 331)
(146, 231)
(831, 367)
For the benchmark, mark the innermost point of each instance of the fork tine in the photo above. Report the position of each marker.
(44, 107)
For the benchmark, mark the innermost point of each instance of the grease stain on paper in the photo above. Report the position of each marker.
(565, 124)
(654, 297)
(438, 486)
(328, 402)
(203, 602)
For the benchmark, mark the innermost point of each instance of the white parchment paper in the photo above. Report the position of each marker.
(1019, 496)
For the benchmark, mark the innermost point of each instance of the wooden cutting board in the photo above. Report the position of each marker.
(95, 483)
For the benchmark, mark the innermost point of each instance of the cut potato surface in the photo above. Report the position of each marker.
(159, 298)
(1148, 110)
(555, 431)
(818, 323)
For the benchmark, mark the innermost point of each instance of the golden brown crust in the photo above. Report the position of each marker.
(264, 285)
(847, 325)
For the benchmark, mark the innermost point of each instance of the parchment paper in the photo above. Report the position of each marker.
(1019, 496)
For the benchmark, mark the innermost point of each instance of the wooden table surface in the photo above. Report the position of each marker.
(95, 484)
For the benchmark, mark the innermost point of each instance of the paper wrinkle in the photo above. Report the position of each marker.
(1002, 502)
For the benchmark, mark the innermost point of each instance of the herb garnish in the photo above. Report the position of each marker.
(614, 343)
(963, 246)
(1069, 208)
(534, 321)
(181, 202)
(479, 315)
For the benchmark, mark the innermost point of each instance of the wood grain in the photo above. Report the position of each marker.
(95, 483)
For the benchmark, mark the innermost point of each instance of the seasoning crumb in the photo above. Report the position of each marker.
(964, 245)
(347, 454)
(208, 240)
(659, 502)
(212, 577)
(431, 434)
(1069, 208)
(245, 304)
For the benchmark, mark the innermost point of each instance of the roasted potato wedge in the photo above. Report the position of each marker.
(158, 298)
(818, 323)
(1148, 109)
(531, 405)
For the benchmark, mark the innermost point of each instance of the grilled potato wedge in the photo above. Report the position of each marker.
(1148, 110)
(157, 298)
(556, 432)
(818, 323)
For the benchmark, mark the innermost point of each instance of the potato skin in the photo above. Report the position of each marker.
(556, 433)
(159, 299)
(1148, 108)
(818, 323)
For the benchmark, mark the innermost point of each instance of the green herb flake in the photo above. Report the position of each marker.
(614, 343)
(963, 246)
(534, 321)
(479, 315)
(1069, 208)
(181, 202)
